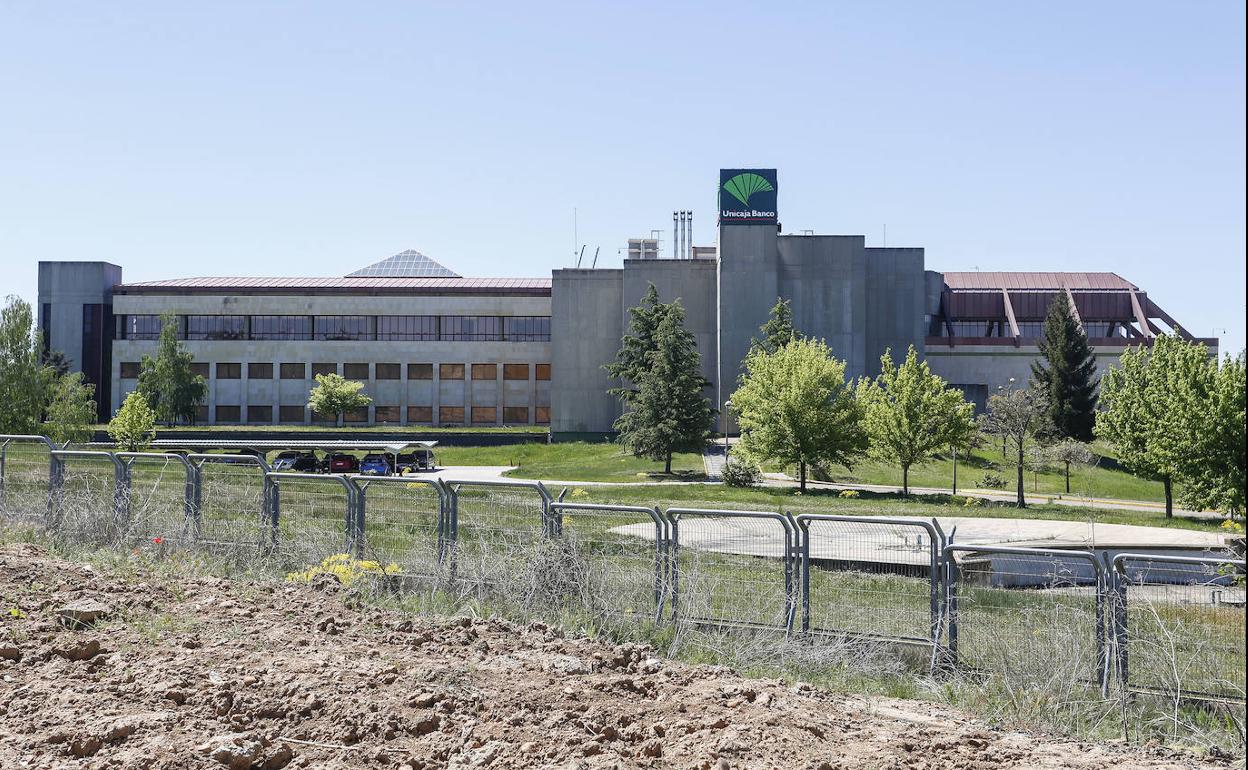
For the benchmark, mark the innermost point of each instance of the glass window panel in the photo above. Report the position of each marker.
(216, 327)
(281, 327)
(344, 327)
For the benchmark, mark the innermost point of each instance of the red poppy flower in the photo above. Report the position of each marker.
(156, 540)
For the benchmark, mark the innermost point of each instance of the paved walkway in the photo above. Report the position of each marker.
(713, 459)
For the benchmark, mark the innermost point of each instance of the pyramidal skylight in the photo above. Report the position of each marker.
(405, 264)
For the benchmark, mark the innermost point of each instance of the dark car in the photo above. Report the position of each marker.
(375, 465)
(300, 462)
(420, 460)
(306, 462)
(343, 463)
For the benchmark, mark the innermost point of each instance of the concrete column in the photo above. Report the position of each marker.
(437, 393)
(404, 398)
(277, 393)
(500, 400)
(244, 397)
(532, 394)
(212, 394)
(372, 393)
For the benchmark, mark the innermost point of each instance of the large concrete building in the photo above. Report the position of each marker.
(434, 348)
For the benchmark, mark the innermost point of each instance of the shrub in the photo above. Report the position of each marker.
(849, 494)
(345, 568)
(992, 480)
(741, 474)
(971, 502)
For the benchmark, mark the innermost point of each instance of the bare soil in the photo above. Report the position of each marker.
(207, 673)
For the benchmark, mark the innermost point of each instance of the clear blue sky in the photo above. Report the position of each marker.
(252, 138)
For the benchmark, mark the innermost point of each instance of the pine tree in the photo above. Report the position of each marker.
(1068, 380)
(668, 412)
(779, 330)
(633, 359)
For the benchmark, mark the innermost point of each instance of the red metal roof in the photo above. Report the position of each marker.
(340, 285)
(1038, 281)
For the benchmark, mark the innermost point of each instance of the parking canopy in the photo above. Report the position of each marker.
(266, 446)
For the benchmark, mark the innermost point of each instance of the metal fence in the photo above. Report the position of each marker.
(1168, 625)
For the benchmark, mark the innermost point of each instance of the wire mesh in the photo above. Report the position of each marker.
(869, 577)
(86, 507)
(24, 468)
(233, 512)
(1031, 618)
(1184, 626)
(156, 507)
(613, 563)
(498, 548)
(402, 525)
(314, 513)
(732, 568)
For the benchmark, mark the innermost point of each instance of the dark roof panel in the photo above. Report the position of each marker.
(1038, 281)
(340, 285)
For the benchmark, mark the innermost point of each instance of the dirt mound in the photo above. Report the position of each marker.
(207, 673)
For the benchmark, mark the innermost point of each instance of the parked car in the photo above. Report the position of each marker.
(285, 461)
(419, 460)
(375, 465)
(340, 462)
(307, 462)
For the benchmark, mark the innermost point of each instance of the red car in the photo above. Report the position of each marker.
(343, 463)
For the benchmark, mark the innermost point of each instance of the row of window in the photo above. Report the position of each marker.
(1026, 329)
(403, 328)
(357, 371)
(447, 415)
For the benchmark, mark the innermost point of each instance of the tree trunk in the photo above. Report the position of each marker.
(802, 474)
(667, 466)
(955, 471)
(905, 480)
(1022, 502)
(1167, 484)
(1068, 478)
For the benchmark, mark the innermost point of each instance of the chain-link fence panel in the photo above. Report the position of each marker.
(1179, 625)
(25, 463)
(159, 489)
(88, 505)
(497, 533)
(733, 568)
(612, 561)
(233, 505)
(1028, 616)
(403, 525)
(870, 576)
(316, 517)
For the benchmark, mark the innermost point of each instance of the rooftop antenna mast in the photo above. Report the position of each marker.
(580, 257)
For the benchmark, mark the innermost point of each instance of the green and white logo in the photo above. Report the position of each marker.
(742, 186)
(747, 196)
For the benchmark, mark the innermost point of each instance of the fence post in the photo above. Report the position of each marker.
(673, 551)
(1103, 599)
(661, 563)
(56, 490)
(355, 517)
(121, 492)
(192, 498)
(804, 528)
(951, 607)
(1121, 641)
(4, 448)
(271, 511)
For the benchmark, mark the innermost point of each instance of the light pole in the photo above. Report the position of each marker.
(727, 406)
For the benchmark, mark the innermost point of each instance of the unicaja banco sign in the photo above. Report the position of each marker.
(747, 196)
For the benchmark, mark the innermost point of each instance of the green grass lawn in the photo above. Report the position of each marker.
(573, 461)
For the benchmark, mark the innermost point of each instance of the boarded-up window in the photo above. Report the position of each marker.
(451, 415)
(227, 413)
(386, 414)
(130, 370)
(515, 371)
(324, 369)
(485, 371)
(484, 414)
(200, 369)
(259, 371)
(389, 371)
(541, 415)
(516, 415)
(356, 415)
(451, 372)
(355, 371)
(420, 371)
(420, 414)
(543, 372)
(293, 371)
(260, 414)
(229, 371)
(290, 413)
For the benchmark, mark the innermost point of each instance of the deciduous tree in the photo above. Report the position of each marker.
(134, 425)
(23, 378)
(795, 407)
(1068, 452)
(1214, 475)
(1017, 415)
(71, 409)
(333, 394)
(167, 381)
(910, 414)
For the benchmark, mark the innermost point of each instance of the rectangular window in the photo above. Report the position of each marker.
(259, 371)
(200, 369)
(485, 371)
(386, 414)
(471, 328)
(484, 414)
(451, 415)
(293, 371)
(324, 369)
(420, 414)
(356, 416)
(260, 414)
(516, 372)
(541, 415)
(344, 327)
(407, 328)
(281, 327)
(389, 371)
(355, 371)
(216, 327)
(451, 372)
(290, 414)
(227, 413)
(516, 415)
(420, 371)
(526, 328)
(141, 327)
(130, 370)
(229, 371)
(201, 414)
(543, 372)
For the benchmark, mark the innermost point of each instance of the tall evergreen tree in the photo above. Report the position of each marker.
(779, 330)
(167, 382)
(1067, 375)
(668, 412)
(633, 358)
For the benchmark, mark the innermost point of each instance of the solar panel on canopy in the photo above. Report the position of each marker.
(405, 264)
